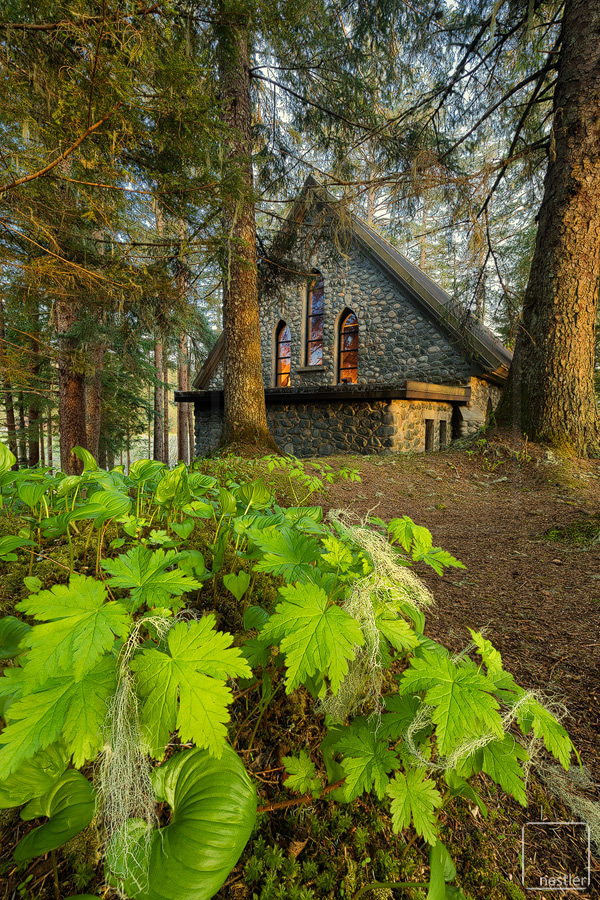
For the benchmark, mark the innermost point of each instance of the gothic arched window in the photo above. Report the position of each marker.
(283, 355)
(315, 314)
(348, 348)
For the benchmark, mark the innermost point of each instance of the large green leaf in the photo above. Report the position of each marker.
(7, 459)
(414, 796)
(148, 575)
(144, 469)
(70, 806)
(79, 626)
(254, 495)
(111, 503)
(285, 552)
(12, 632)
(9, 544)
(89, 463)
(35, 777)
(367, 761)
(214, 808)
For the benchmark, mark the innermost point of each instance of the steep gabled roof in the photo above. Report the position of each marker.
(477, 340)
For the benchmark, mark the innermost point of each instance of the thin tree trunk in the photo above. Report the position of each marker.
(158, 401)
(93, 398)
(423, 237)
(190, 414)
(49, 434)
(551, 384)
(34, 403)
(42, 449)
(11, 426)
(166, 448)
(22, 437)
(71, 389)
(149, 398)
(182, 416)
(245, 419)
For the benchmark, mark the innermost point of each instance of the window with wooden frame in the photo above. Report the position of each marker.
(315, 315)
(283, 355)
(348, 348)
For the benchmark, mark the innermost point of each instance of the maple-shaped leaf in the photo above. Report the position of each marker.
(144, 573)
(192, 671)
(394, 628)
(501, 760)
(80, 626)
(464, 706)
(401, 713)
(74, 709)
(367, 760)
(302, 774)
(315, 635)
(285, 552)
(531, 713)
(414, 797)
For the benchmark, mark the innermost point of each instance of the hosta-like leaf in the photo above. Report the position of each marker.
(12, 632)
(144, 469)
(237, 584)
(414, 797)
(7, 459)
(254, 495)
(70, 806)
(198, 661)
(147, 575)
(89, 463)
(367, 761)
(183, 529)
(315, 635)
(285, 552)
(35, 777)
(441, 871)
(75, 710)
(464, 706)
(9, 544)
(80, 627)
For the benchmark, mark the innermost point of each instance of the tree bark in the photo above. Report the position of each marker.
(22, 436)
(182, 416)
(93, 398)
(158, 401)
(50, 448)
(34, 402)
(550, 392)
(190, 414)
(245, 426)
(71, 389)
(165, 420)
(11, 425)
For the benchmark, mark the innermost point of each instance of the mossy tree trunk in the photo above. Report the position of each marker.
(71, 388)
(550, 393)
(245, 428)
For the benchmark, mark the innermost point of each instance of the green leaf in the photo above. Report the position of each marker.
(401, 713)
(459, 787)
(442, 870)
(35, 776)
(395, 629)
(81, 627)
(255, 617)
(144, 572)
(491, 657)
(12, 632)
(302, 774)
(501, 761)
(111, 504)
(367, 760)
(198, 661)
(531, 713)
(183, 529)
(237, 584)
(338, 556)
(314, 635)
(70, 806)
(7, 459)
(75, 710)
(144, 469)
(285, 552)
(227, 502)
(440, 559)
(464, 706)
(89, 463)
(9, 544)
(214, 810)
(254, 495)
(31, 492)
(414, 797)
(32, 583)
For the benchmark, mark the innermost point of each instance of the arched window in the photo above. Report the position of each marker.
(315, 313)
(348, 348)
(283, 355)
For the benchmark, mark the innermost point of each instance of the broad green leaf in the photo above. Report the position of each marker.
(89, 463)
(9, 544)
(464, 706)
(338, 556)
(237, 584)
(440, 559)
(35, 776)
(67, 484)
(367, 760)
(441, 871)
(80, 627)
(145, 574)
(255, 617)
(145, 469)
(214, 810)
(401, 713)
(302, 774)
(459, 787)
(12, 632)
(183, 529)
(256, 652)
(414, 797)
(200, 484)
(285, 552)
(501, 761)
(32, 583)
(198, 661)
(227, 502)
(31, 492)
(70, 806)
(531, 713)
(395, 629)
(112, 504)
(254, 495)
(75, 710)
(7, 459)
(314, 635)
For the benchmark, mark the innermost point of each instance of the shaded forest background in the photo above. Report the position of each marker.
(149, 153)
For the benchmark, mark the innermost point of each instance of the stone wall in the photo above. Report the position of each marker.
(409, 417)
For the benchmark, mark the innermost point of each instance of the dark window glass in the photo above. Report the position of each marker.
(283, 355)
(348, 349)
(314, 323)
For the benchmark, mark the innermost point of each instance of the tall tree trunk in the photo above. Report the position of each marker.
(42, 444)
(50, 436)
(71, 389)
(165, 378)
(245, 419)
(11, 426)
(551, 384)
(423, 236)
(34, 402)
(158, 401)
(93, 397)
(190, 413)
(22, 437)
(182, 416)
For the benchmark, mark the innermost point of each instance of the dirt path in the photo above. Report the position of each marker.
(538, 600)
